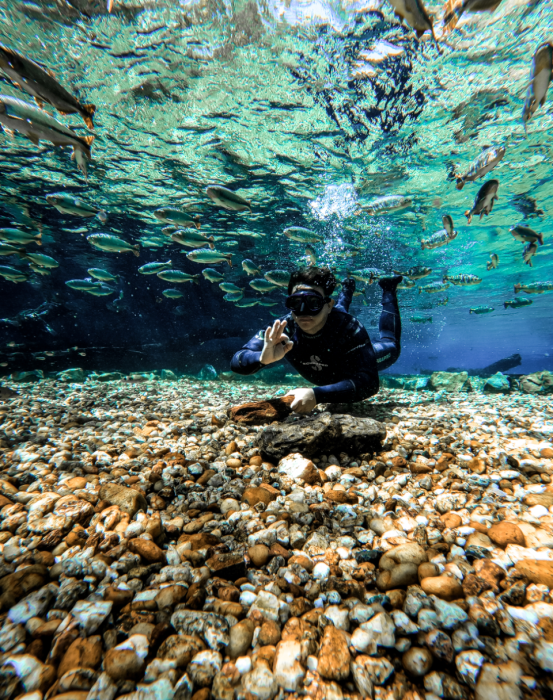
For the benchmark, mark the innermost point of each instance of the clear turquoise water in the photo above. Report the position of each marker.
(309, 110)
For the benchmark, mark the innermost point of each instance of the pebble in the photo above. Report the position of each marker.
(148, 549)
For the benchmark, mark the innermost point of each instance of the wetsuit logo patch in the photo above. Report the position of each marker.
(315, 362)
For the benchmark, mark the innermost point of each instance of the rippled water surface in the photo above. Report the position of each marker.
(309, 110)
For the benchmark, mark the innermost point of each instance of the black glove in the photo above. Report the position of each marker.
(348, 285)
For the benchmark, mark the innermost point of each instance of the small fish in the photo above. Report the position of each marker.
(14, 235)
(12, 274)
(42, 85)
(102, 275)
(278, 277)
(246, 303)
(454, 9)
(68, 204)
(482, 165)
(421, 319)
(178, 277)
(192, 239)
(230, 288)
(7, 249)
(483, 203)
(263, 286)
(442, 302)
(303, 235)
(176, 217)
(311, 254)
(367, 275)
(533, 287)
(517, 303)
(152, 242)
(42, 260)
(82, 285)
(212, 275)
(493, 262)
(540, 77)
(433, 287)
(40, 270)
(528, 253)
(406, 283)
(169, 230)
(204, 255)
(37, 125)
(442, 237)
(415, 273)
(524, 234)
(6, 392)
(389, 203)
(102, 290)
(250, 268)
(227, 198)
(481, 310)
(234, 296)
(112, 244)
(463, 280)
(267, 302)
(172, 293)
(415, 15)
(154, 267)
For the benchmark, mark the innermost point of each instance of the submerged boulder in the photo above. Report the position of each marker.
(260, 412)
(33, 375)
(497, 384)
(449, 381)
(321, 433)
(71, 375)
(537, 383)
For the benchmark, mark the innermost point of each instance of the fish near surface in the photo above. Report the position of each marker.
(434, 287)
(415, 273)
(481, 310)
(204, 255)
(528, 253)
(493, 262)
(37, 125)
(212, 275)
(263, 286)
(416, 16)
(540, 77)
(14, 235)
(438, 239)
(178, 277)
(250, 268)
(112, 244)
(278, 277)
(525, 234)
(483, 203)
(454, 9)
(42, 85)
(177, 217)
(517, 303)
(406, 283)
(463, 280)
(387, 204)
(227, 199)
(302, 235)
(367, 275)
(67, 204)
(192, 239)
(154, 267)
(482, 165)
(533, 287)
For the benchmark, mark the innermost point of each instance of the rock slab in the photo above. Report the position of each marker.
(261, 412)
(321, 433)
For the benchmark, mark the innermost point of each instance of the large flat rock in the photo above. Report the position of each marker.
(324, 433)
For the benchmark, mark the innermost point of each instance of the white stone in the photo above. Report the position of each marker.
(321, 571)
(33, 605)
(468, 665)
(137, 643)
(381, 627)
(296, 466)
(528, 615)
(228, 504)
(243, 664)
(287, 668)
(91, 614)
(339, 617)
(538, 511)
(449, 614)
(377, 669)
(499, 682)
(260, 683)
(403, 623)
(543, 654)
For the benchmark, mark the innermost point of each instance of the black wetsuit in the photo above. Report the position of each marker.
(340, 359)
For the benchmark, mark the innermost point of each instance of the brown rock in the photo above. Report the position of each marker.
(119, 597)
(539, 499)
(536, 571)
(83, 653)
(420, 468)
(303, 561)
(170, 596)
(124, 664)
(199, 541)
(227, 565)
(479, 539)
(196, 525)
(269, 634)
(129, 500)
(451, 520)
(201, 694)
(77, 482)
(479, 527)
(490, 572)
(397, 462)
(241, 636)
(277, 550)
(474, 585)
(427, 570)
(397, 598)
(546, 453)
(257, 494)
(14, 586)
(146, 549)
(181, 648)
(505, 533)
(334, 656)
(259, 555)
(477, 465)
(261, 412)
(444, 587)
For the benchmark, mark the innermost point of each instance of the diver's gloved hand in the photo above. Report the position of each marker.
(276, 343)
(304, 400)
(348, 285)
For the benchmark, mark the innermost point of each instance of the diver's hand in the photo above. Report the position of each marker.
(348, 285)
(276, 344)
(304, 400)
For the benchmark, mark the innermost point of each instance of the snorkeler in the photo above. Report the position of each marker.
(324, 343)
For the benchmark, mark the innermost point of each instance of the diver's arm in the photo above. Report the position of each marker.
(361, 383)
(346, 294)
(247, 359)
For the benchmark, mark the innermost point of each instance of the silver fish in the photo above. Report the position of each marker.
(416, 16)
(525, 234)
(112, 244)
(192, 239)
(528, 253)
(227, 199)
(67, 204)
(482, 165)
(387, 204)
(483, 203)
(540, 77)
(204, 255)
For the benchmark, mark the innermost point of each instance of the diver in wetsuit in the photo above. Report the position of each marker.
(324, 343)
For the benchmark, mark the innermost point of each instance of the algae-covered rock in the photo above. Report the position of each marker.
(167, 374)
(208, 372)
(106, 377)
(389, 382)
(449, 381)
(71, 375)
(537, 383)
(497, 384)
(416, 383)
(33, 375)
